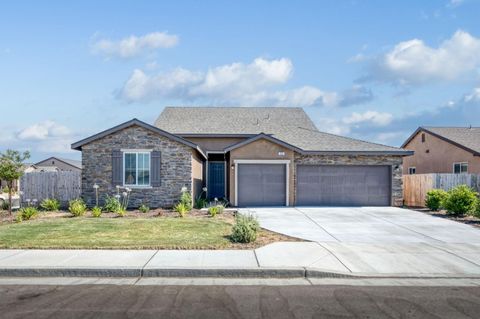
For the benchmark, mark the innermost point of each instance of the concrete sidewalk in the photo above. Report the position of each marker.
(278, 260)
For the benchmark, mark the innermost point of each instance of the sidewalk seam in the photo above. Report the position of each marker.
(256, 257)
(149, 259)
(334, 256)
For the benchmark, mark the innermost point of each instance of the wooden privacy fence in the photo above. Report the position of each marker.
(61, 185)
(415, 187)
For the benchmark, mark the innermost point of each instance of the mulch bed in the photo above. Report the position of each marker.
(469, 220)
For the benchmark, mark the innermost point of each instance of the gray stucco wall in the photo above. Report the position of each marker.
(394, 161)
(175, 171)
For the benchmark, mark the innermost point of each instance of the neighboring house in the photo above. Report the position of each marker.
(250, 156)
(62, 164)
(443, 150)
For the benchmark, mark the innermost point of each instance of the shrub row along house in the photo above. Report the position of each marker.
(250, 156)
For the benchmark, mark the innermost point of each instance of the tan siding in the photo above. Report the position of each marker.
(440, 157)
(197, 174)
(261, 150)
(59, 164)
(214, 143)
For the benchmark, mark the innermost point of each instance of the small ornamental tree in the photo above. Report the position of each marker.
(11, 169)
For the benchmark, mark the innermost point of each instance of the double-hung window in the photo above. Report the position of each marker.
(459, 168)
(136, 168)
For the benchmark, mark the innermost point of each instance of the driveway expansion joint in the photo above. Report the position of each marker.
(313, 221)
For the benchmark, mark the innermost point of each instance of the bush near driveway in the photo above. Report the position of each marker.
(435, 198)
(460, 200)
(245, 229)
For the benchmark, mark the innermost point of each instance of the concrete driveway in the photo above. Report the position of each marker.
(364, 225)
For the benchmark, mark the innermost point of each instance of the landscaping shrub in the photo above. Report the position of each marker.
(201, 203)
(121, 211)
(77, 207)
(476, 211)
(245, 229)
(18, 218)
(181, 209)
(460, 200)
(435, 198)
(112, 204)
(144, 208)
(96, 211)
(50, 204)
(186, 200)
(216, 209)
(28, 212)
(5, 205)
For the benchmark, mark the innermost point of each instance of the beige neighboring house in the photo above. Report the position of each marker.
(61, 164)
(443, 150)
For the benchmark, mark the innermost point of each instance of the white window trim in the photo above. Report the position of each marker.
(459, 163)
(411, 168)
(246, 161)
(136, 152)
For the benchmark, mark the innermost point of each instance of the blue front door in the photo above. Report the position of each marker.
(216, 180)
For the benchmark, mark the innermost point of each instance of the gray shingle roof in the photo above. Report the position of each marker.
(463, 136)
(291, 125)
(72, 162)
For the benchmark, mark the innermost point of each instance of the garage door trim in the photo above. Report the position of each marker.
(250, 161)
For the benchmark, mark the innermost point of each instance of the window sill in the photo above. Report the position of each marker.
(137, 187)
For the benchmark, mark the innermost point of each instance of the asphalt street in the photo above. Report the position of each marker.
(127, 301)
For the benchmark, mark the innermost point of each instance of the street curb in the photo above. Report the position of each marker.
(226, 273)
(70, 272)
(279, 273)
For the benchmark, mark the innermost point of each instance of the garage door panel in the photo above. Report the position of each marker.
(261, 184)
(332, 185)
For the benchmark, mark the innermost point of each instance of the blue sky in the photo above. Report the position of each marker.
(373, 70)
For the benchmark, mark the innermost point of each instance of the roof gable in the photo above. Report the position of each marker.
(467, 138)
(259, 137)
(78, 145)
(71, 162)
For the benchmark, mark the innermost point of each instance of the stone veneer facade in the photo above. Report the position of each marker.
(394, 161)
(175, 171)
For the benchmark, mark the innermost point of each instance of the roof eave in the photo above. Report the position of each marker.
(397, 153)
(78, 145)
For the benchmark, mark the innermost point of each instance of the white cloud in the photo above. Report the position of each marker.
(414, 62)
(371, 117)
(454, 3)
(256, 83)
(134, 45)
(42, 131)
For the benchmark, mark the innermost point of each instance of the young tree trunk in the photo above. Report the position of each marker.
(10, 186)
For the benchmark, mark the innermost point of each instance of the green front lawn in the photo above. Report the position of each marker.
(127, 233)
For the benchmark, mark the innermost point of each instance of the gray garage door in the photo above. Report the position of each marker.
(261, 185)
(325, 185)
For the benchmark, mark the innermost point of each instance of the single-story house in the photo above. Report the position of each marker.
(251, 156)
(62, 164)
(443, 150)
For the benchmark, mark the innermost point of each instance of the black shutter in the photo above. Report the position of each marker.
(117, 168)
(156, 163)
